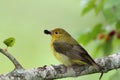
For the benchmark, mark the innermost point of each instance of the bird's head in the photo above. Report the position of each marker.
(58, 34)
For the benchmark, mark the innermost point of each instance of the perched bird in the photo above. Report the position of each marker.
(68, 51)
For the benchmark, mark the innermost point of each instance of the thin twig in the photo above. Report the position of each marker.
(11, 58)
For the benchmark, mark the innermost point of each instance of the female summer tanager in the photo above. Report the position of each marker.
(68, 51)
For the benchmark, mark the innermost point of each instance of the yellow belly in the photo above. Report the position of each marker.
(65, 60)
(62, 58)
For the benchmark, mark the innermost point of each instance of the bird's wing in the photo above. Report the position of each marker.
(74, 52)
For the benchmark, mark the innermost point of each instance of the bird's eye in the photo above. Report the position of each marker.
(56, 32)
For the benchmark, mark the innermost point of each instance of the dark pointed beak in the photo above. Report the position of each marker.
(47, 32)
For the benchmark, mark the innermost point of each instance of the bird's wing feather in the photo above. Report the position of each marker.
(74, 52)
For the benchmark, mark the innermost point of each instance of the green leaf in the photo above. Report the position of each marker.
(109, 15)
(111, 10)
(9, 42)
(98, 49)
(118, 25)
(108, 47)
(96, 30)
(84, 39)
(87, 37)
(88, 7)
(117, 11)
(99, 6)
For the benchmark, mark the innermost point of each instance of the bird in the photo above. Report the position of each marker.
(68, 51)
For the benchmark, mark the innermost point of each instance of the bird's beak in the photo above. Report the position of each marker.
(48, 32)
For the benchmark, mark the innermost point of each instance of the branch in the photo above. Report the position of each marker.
(12, 59)
(59, 71)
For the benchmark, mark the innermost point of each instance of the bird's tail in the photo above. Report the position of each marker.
(98, 67)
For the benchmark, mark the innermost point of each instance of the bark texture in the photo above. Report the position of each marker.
(58, 71)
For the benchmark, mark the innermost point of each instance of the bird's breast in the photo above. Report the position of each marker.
(61, 57)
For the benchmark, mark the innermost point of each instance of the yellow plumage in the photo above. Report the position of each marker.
(62, 58)
(67, 50)
(65, 59)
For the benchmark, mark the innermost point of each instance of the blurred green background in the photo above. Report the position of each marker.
(25, 20)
